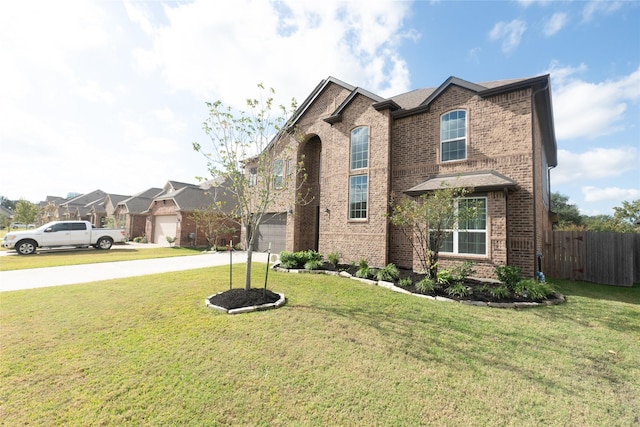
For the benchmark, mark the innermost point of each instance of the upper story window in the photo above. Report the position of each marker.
(360, 148)
(253, 177)
(453, 136)
(278, 173)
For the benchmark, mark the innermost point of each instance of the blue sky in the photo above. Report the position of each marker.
(110, 94)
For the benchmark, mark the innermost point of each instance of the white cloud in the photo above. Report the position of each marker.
(92, 91)
(595, 194)
(597, 7)
(594, 164)
(213, 52)
(590, 110)
(52, 31)
(555, 23)
(509, 32)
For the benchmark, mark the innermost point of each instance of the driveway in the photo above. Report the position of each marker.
(69, 275)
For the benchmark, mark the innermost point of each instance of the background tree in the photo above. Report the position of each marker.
(213, 224)
(255, 139)
(629, 215)
(428, 220)
(25, 212)
(9, 204)
(568, 213)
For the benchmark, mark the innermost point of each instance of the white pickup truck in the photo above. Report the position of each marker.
(62, 233)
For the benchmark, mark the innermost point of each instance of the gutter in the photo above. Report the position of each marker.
(535, 170)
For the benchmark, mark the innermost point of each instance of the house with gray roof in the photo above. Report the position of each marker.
(362, 151)
(130, 213)
(170, 214)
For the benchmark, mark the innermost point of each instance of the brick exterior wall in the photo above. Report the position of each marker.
(502, 135)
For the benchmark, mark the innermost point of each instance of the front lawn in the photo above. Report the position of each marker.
(146, 351)
(57, 257)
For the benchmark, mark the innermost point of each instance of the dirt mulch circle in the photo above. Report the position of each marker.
(238, 298)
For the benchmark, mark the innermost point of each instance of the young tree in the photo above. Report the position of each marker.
(428, 220)
(629, 214)
(25, 212)
(246, 148)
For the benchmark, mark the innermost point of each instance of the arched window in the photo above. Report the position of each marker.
(453, 136)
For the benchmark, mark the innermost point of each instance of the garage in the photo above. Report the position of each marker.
(165, 225)
(272, 230)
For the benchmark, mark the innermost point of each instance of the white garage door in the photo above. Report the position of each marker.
(273, 230)
(165, 225)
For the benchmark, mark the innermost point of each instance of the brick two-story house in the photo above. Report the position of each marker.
(361, 150)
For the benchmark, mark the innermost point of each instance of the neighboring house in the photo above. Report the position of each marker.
(79, 207)
(361, 151)
(129, 213)
(6, 215)
(49, 209)
(169, 214)
(100, 211)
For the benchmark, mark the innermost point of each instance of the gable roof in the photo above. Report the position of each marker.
(140, 202)
(336, 116)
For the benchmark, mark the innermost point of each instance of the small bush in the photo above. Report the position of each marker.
(534, 290)
(389, 273)
(508, 275)
(426, 285)
(334, 258)
(460, 272)
(313, 264)
(299, 259)
(405, 282)
(500, 292)
(458, 290)
(443, 277)
(364, 271)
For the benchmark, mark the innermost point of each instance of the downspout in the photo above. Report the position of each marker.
(506, 220)
(535, 172)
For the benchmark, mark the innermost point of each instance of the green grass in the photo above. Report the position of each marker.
(146, 351)
(88, 256)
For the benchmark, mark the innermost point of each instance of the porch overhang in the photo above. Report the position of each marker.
(479, 181)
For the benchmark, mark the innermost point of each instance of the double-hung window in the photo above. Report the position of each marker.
(470, 236)
(358, 178)
(453, 136)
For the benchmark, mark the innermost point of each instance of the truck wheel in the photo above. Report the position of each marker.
(104, 243)
(26, 247)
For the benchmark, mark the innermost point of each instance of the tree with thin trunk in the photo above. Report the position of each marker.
(249, 151)
(213, 224)
(428, 220)
(26, 212)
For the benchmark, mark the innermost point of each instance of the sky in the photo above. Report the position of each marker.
(111, 94)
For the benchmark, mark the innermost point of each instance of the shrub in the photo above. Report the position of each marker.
(405, 282)
(364, 271)
(508, 275)
(443, 277)
(534, 290)
(426, 285)
(313, 264)
(500, 292)
(460, 272)
(389, 273)
(334, 258)
(458, 290)
(300, 259)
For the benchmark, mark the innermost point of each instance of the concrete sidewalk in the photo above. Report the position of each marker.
(68, 275)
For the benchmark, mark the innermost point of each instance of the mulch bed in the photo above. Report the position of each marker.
(238, 298)
(477, 287)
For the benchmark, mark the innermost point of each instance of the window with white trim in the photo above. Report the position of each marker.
(470, 237)
(358, 196)
(453, 136)
(359, 148)
(253, 177)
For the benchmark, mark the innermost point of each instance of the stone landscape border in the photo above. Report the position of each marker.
(559, 299)
(253, 308)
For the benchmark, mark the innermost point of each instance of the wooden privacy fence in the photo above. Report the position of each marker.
(607, 258)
